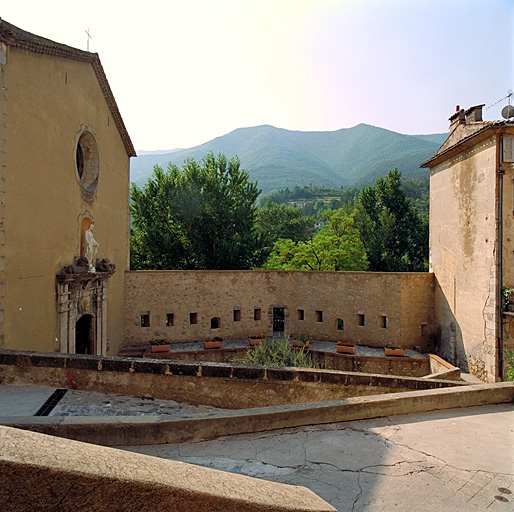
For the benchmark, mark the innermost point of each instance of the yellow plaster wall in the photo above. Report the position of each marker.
(406, 299)
(462, 250)
(49, 100)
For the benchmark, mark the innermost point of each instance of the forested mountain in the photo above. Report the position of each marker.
(279, 158)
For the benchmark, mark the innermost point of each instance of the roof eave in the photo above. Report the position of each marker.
(462, 145)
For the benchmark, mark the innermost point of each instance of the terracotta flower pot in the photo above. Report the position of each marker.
(255, 341)
(160, 348)
(394, 352)
(300, 344)
(345, 349)
(211, 344)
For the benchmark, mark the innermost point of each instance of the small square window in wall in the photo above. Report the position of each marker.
(193, 318)
(145, 320)
(257, 314)
(301, 314)
(237, 315)
(170, 319)
(340, 324)
(360, 319)
(319, 316)
(382, 321)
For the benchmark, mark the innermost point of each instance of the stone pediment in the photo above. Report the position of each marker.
(80, 275)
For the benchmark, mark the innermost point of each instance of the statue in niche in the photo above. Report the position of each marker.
(91, 246)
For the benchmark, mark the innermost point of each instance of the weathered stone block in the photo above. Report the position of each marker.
(248, 372)
(216, 370)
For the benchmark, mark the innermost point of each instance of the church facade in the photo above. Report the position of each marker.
(64, 169)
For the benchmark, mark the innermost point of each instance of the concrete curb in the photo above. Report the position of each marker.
(144, 430)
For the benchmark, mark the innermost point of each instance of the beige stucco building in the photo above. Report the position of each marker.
(64, 164)
(472, 241)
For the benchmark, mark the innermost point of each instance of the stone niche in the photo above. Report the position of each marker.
(82, 306)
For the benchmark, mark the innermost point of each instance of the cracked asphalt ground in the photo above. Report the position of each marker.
(460, 460)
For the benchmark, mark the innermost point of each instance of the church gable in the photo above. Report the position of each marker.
(12, 36)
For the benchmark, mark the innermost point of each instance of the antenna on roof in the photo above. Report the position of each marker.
(508, 110)
(88, 38)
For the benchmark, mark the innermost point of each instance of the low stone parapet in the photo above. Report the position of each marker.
(225, 385)
(136, 430)
(38, 471)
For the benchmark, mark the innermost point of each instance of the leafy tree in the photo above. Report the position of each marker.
(199, 217)
(336, 247)
(394, 234)
(275, 221)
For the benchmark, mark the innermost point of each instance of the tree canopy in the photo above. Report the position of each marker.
(199, 217)
(394, 234)
(337, 246)
(204, 216)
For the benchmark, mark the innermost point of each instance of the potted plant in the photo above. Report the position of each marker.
(346, 347)
(159, 345)
(300, 341)
(213, 343)
(256, 339)
(394, 350)
(508, 297)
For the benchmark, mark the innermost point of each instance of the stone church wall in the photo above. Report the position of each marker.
(369, 308)
(50, 102)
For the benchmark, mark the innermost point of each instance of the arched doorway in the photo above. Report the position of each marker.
(85, 335)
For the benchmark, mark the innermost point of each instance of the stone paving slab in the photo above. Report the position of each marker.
(16, 401)
(81, 403)
(455, 460)
(22, 400)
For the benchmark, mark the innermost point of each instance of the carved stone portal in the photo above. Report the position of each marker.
(82, 307)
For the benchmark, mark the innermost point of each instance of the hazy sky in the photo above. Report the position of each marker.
(184, 72)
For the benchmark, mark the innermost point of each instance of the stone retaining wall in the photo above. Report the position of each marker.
(223, 385)
(366, 307)
(401, 366)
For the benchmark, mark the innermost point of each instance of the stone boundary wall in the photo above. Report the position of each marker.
(365, 307)
(399, 366)
(225, 385)
(38, 470)
(441, 369)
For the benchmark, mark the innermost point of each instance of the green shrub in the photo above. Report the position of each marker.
(509, 359)
(159, 341)
(278, 352)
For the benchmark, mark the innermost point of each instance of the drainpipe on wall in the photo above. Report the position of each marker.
(499, 288)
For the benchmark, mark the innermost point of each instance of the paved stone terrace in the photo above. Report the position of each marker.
(459, 460)
(26, 400)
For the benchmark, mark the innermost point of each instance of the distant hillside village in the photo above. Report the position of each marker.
(71, 242)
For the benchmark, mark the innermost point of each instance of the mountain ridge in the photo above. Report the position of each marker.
(279, 158)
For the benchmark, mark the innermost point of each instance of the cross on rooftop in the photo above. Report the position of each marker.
(88, 38)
